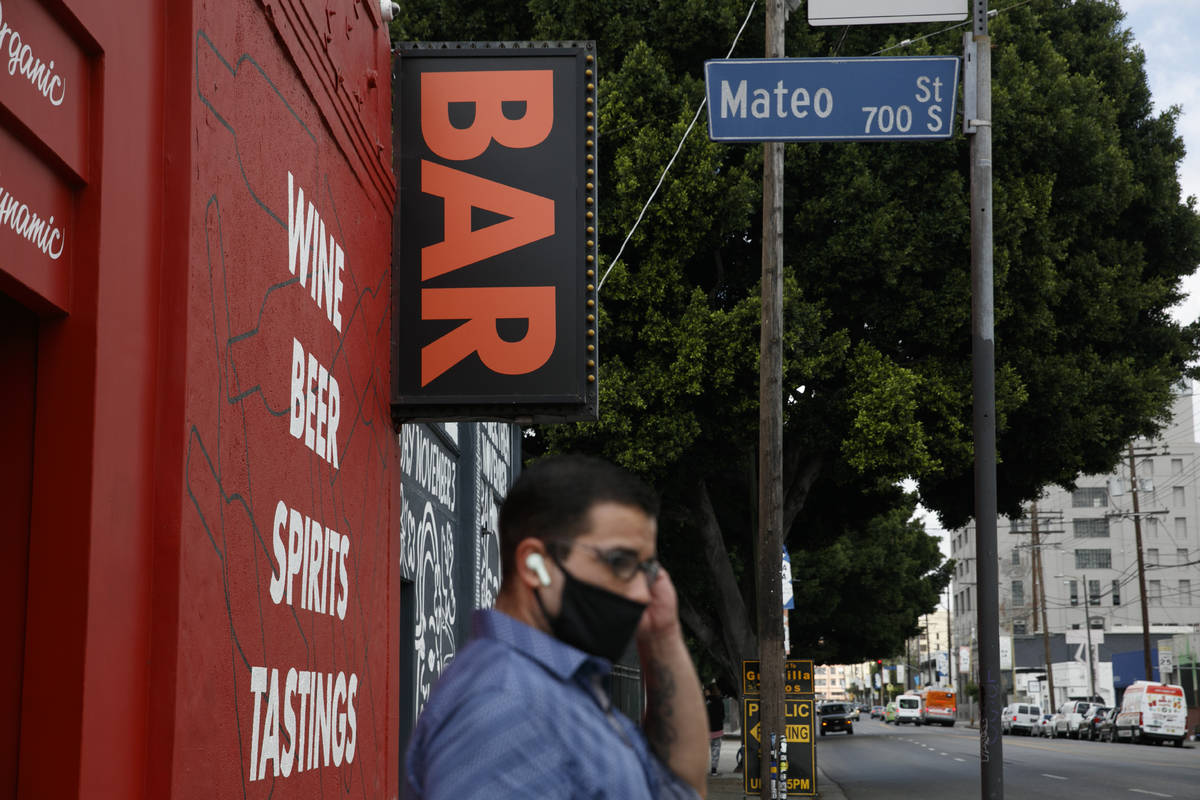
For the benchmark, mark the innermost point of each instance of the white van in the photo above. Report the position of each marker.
(1020, 718)
(908, 709)
(1152, 711)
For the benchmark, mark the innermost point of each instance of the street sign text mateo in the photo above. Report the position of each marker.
(830, 99)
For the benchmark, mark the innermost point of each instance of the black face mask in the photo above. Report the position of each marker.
(593, 619)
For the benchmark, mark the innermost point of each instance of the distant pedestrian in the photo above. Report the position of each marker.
(523, 710)
(715, 705)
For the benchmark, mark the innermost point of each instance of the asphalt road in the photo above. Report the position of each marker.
(885, 761)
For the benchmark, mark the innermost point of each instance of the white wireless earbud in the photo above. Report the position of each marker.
(538, 564)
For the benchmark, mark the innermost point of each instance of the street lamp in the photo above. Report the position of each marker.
(1087, 626)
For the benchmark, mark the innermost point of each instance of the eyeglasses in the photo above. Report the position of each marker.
(621, 561)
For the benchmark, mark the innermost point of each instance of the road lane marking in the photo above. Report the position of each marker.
(942, 754)
(960, 759)
(1147, 791)
(1056, 777)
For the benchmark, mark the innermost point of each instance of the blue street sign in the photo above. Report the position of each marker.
(831, 99)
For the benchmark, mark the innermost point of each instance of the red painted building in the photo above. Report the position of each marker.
(200, 479)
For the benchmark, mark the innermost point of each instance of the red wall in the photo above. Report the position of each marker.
(162, 427)
(289, 446)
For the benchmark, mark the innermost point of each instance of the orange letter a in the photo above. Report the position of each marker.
(531, 217)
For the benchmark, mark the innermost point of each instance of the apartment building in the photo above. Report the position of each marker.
(1073, 557)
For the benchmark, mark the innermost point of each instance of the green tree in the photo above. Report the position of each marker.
(1091, 240)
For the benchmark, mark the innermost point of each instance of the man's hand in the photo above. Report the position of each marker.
(662, 615)
(676, 723)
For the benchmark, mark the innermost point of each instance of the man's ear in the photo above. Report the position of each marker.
(531, 566)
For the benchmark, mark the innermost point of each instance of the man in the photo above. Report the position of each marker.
(523, 711)
(715, 705)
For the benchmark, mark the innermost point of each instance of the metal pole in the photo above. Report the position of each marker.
(770, 442)
(983, 349)
(1137, 537)
(951, 664)
(1087, 626)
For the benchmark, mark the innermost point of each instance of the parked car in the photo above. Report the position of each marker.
(1020, 718)
(1153, 712)
(1069, 719)
(1095, 716)
(1043, 727)
(836, 717)
(876, 712)
(889, 713)
(1106, 728)
(908, 709)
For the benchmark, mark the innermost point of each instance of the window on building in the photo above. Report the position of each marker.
(1091, 527)
(1116, 593)
(1019, 627)
(1016, 557)
(1178, 498)
(1073, 590)
(1093, 559)
(1019, 526)
(1089, 497)
(1176, 466)
(1155, 593)
(1152, 556)
(1181, 527)
(1181, 555)
(1018, 593)
(956, 604)
(1093, 592)
(1185, 593)
(1146, 468)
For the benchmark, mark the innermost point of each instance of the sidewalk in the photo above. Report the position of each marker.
(727, 785)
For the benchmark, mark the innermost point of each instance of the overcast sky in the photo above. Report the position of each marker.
(1169, 33)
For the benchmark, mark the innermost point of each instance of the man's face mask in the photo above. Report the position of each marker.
(593, 619)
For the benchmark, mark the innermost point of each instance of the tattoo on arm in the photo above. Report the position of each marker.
(660, 708)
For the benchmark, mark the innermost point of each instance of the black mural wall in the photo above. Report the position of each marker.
(453, 477)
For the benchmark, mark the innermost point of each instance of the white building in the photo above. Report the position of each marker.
(929, 649)
(831, 681)
(1086, 539)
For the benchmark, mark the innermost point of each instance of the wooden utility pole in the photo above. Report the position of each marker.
(770, 436)
(1039, 592)
(1137, 537)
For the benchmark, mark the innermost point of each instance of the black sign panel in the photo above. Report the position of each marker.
(797, 678)
(494, 302)
(801, 765)
(799, 721)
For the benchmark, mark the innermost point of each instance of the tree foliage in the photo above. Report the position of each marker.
(1091, 240)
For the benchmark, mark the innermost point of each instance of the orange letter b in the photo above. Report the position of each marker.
(486, 91)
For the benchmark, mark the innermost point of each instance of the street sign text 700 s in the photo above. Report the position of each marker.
(830, 99)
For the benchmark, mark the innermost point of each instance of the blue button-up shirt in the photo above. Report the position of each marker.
(520, 714)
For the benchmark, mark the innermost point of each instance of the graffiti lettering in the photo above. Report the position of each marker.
(424, 461)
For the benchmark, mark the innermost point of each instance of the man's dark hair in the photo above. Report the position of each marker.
(552, 497)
